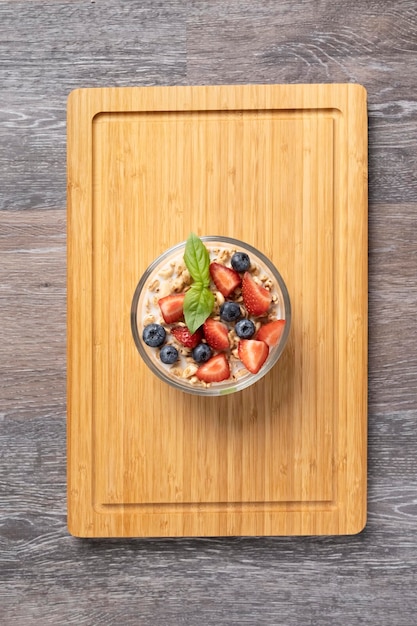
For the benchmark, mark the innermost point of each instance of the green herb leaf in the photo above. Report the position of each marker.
(198, 304)
(199, 300)
(197, 260)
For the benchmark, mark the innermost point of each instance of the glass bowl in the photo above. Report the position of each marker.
(158, 281)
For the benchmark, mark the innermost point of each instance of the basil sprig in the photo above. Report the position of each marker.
(199, 300)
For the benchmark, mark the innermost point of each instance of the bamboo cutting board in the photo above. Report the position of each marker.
(284, 168)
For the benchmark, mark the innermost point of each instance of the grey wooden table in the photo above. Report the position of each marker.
(49, 47)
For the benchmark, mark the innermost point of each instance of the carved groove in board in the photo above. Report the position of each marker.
(213, 507)
(326, 114)
(265, 114)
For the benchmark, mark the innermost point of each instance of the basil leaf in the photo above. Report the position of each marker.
(197, 260)
(198, 304)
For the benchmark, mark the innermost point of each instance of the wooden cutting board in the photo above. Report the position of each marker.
(284, 168)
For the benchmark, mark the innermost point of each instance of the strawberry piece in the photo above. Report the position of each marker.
(253, 354)
(216, 334)
(214, 370)
(183, 335)
(172, 307)
(225, 278)
(255, 297)
(271, 332)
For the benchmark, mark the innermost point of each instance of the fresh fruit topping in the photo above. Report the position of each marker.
(253, 354)
(240, 261)
(201, 353)
(168, 354)
(255, 297)
(230, 311)
(154, 335)
(216, 334)
(215, 370)
(225, 278)
(172, 307)
(199, 300)
(245, 329)
(271, 332)
(185, 337)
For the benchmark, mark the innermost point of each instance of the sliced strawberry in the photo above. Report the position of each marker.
(255, 297)
(183, 335)
(172, 307)
(271, 332)
(253, 354)
(214, 370)
(225, 278)
(216, 334)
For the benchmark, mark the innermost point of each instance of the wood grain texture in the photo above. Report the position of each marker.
(287, 456)
(372, 43)
(47, 577)
(80, 44)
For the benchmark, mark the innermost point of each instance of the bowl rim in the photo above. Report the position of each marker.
(224, 387)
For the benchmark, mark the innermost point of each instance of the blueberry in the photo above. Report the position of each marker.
(229, 311)
(240, 262)
(168, 354)
(245, 329)
(201, 353)
(154, 335)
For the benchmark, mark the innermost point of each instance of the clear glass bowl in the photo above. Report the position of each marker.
(141, 309)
